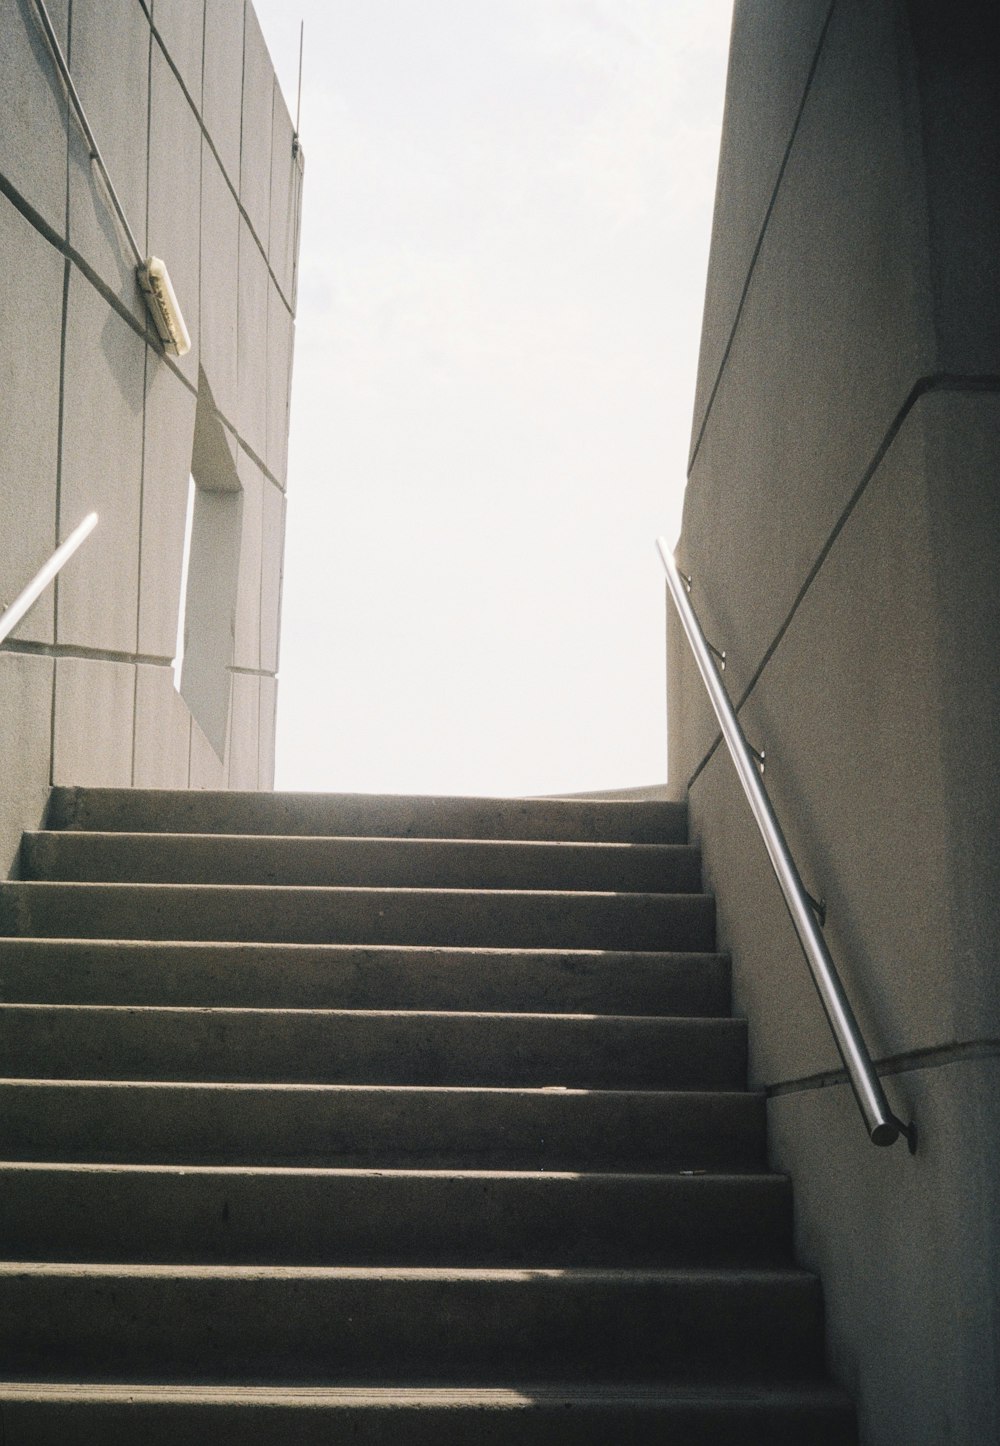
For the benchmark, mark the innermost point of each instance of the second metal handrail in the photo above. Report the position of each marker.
(882, 1125)
(12, 615)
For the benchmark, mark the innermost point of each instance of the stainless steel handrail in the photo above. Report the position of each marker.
(11, 616)
(882, 1125)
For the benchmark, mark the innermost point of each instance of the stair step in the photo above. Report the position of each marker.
(530, 1414)
(324, 1046)
(395, 1217)
(372, 862)
(484, 1327)
(349, 976)
(471, 917)
(380, 1126)
(366, 815)
(391, 1119)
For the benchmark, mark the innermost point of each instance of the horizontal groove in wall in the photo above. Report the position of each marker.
(938, 382)
(760, 238)
(933, 1058)
(107, 655)
(71, 650)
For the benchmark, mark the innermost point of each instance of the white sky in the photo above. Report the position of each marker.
(505, 234)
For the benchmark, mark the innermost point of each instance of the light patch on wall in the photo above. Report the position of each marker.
(178, 662)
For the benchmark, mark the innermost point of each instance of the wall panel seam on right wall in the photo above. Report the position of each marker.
(696, 444)
(936, 382)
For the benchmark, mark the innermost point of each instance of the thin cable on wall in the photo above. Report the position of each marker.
(151, 272)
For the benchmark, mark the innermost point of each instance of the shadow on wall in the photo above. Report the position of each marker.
(207, 626)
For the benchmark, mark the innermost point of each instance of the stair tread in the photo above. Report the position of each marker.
(283, 1240)
(570, 1276)
(147, 840)
(710, 1022)
(513, 1394)
(530, 1091)
(134, 887)
(393, 815)
(516, 1395)
(700, 1179)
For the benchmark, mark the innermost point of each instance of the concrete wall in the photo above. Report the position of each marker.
(183, 101)
(842, 526)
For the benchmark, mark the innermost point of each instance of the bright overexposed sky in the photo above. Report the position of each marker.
(506, 216)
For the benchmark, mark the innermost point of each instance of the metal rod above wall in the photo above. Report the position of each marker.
(882, 1125)
(95, 150)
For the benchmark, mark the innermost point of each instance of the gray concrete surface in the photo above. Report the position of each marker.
(403, 863)
(205, 1189)
(294, 976)
(222, 82)
(116, 112)
(98, 418)
(841, 525)
(30, 309)
(255, 131)
(533, 1415)
(33, 150)
(770, 84)
(361, 815)
(381, 1127)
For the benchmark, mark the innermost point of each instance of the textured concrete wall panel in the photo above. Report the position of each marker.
(222, 94)
(84, 751)
(207, 768)
(162, 731)
(842, 525)
(835, 329)
(283, 218)
(244, 724)
(175, 197)
(98, 418)
(255, 154)
(280, 338)
(911, 1295)
(272, 554)
(220, 221)
(957, 68)
(31, 300)
(251, 421)
(101, 471)
(33, 148)
(181, 27)
(765, 90)
(962, 458)
(268, 719)
(246, 650)
(25, 728)
(852, 717)
(117, 114)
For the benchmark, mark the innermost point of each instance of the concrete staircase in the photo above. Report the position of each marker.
(385, 1120)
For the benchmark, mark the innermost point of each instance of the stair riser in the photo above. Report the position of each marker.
(774, 1421)
(338, 976)
(307, 1218)
(487, 1129)
(488, 1329)
(366, 816)
(57, 1042)
(360, 916)
(376, 863)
